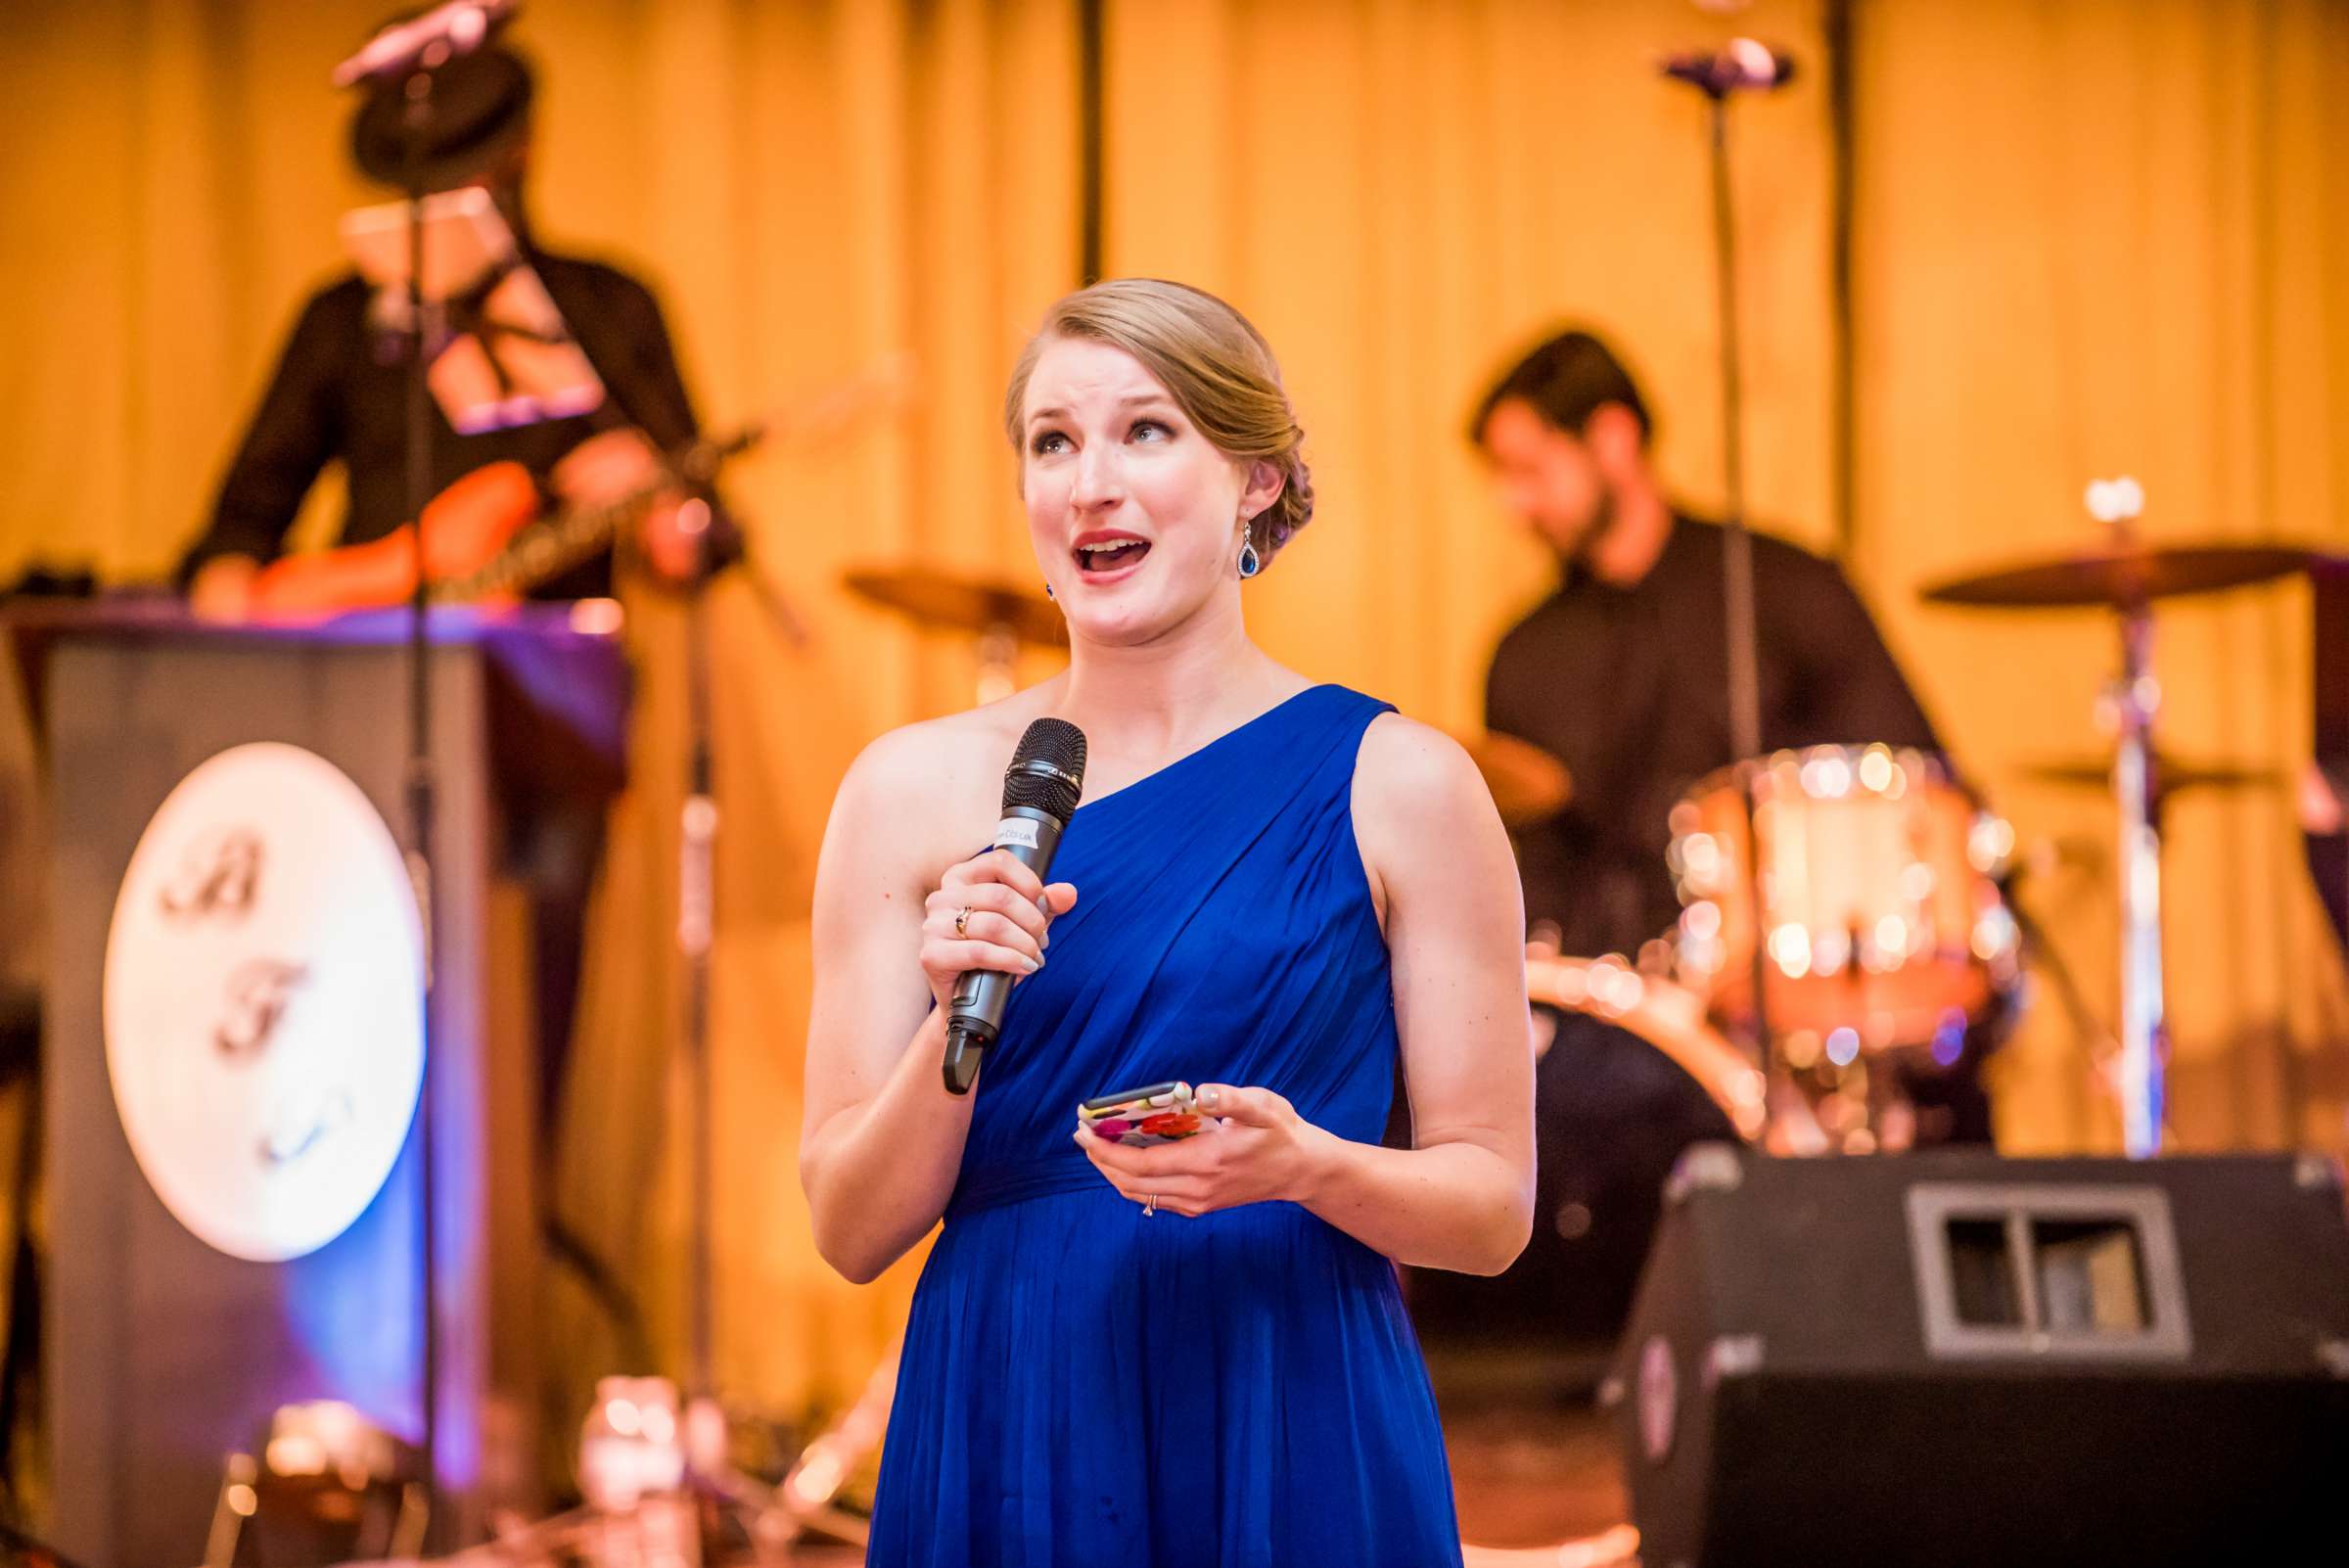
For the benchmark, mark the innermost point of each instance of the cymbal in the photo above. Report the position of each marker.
(2170, 775)
(2124, 577)
(1528, 783)
(952, 601)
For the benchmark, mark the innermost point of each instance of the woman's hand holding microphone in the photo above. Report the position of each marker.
(989, 912)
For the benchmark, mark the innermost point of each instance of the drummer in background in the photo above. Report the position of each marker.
(1622, 675)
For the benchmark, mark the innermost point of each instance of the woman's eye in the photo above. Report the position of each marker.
(1049, 442)
(1151, 430)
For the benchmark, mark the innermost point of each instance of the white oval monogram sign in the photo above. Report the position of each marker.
(264, 1002)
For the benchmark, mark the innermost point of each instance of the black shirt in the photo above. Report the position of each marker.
(340, 392)
(1630, 688)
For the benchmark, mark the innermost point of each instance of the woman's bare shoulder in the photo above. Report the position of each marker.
(936, 777)
(1408, 770)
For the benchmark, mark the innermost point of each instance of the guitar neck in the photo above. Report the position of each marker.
(547, 549)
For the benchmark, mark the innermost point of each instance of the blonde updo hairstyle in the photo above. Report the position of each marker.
(1217, 368)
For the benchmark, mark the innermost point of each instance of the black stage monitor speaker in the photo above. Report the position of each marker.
(1956, 1358)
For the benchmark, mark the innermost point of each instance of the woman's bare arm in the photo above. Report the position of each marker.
(882, 1140)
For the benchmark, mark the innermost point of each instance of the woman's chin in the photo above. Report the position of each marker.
(1128, 612)
(1112, 625)
(1119, 619)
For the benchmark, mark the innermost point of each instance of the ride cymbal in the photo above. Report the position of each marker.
(2125, 577)
(2170, 774)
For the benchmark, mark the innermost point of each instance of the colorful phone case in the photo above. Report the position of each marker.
(1138, 1118)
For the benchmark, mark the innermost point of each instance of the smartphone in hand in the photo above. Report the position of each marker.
(1138, 1118)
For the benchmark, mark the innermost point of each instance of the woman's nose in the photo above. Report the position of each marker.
(1097, 479)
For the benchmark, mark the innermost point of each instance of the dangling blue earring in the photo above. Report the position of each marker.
(1048, 590)
(1250, 562)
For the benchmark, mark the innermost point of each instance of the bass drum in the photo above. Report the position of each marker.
(1628, 1075)
(1666, 1016)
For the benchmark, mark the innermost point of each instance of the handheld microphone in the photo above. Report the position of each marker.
(1739, 66)
(1040, 790)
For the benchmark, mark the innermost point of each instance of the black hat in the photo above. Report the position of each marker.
(478, 113)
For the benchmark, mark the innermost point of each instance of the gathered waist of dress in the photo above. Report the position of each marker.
(994, 1186)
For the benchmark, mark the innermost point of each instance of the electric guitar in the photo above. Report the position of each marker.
(490, 539)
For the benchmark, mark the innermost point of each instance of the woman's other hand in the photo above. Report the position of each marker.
(1252, 1148)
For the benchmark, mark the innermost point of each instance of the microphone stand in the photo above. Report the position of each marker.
(1737, 546)
(421, 782)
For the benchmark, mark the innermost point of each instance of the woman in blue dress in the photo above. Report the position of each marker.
(1194, 1353)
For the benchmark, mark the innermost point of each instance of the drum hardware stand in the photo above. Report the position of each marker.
(773, 1517)
(998, 663)
(703, 1427)
(767, 1515)
(2134, 699)
(697, 838)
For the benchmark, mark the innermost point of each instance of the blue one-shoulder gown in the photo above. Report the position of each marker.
(1085, 1385)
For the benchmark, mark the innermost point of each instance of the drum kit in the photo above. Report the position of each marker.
(1845, 903)
(1847, 899)
(1860, 891)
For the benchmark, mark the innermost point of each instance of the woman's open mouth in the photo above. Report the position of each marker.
(1104, 556)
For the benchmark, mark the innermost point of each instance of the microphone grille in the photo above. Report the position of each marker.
(1047, 772)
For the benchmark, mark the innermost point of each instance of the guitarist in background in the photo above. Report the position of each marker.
(339, 390)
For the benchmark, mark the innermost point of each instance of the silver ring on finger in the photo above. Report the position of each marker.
(962, 921)
(1149, 1204)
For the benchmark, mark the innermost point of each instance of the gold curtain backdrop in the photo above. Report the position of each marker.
(2089, 237)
